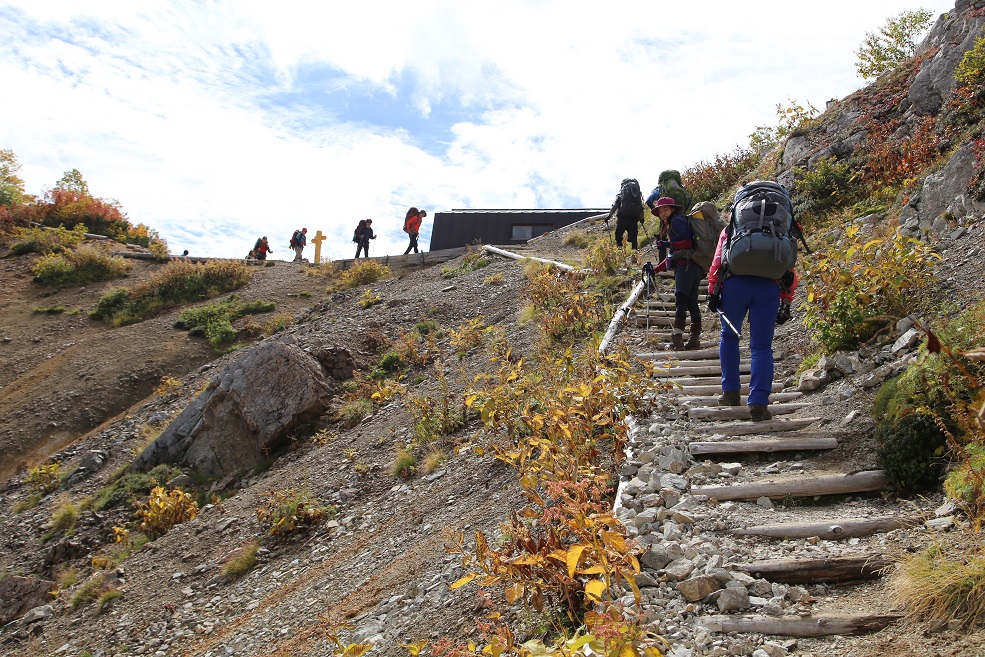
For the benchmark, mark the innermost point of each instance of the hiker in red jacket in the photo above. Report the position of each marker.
(767, 302)
(412, 226)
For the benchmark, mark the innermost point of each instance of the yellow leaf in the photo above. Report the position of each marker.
(593, 570)
(471, 646)
(356, 649)
(651, 651)
(414, 648)
(463, 581)
(574, 554)
(594, 590)
(513, 593)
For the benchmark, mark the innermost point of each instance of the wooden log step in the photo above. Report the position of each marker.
(697, 370)
(768, 446)
(821, 625)
(642, 322)
(683, 356)
(710, 381)
(712, 400)
(813, 571)
(716, 389)
(747, 428)
(708, 414)
(839, 484)
(828, 530)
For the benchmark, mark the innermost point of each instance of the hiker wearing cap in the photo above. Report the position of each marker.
(412, 226)
(687, 273)
(298, 242)
(767, 302)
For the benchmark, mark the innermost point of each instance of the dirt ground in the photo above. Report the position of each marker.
(73, 384)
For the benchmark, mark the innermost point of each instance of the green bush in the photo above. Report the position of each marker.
(46, 240)
(403, 465)
(895, 43)
(825, 187)
(292, 511)
(129, 485)
(354, 412)
(971, 70)
(214, 321)
(177, 283)
(964, 483)
(78, 267)
(912, 452)
(390, 363)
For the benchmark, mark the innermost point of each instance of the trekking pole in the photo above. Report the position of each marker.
(728, 323)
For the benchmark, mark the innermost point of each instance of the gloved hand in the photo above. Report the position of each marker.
(784, 313)
(714, 302)
(663, 244)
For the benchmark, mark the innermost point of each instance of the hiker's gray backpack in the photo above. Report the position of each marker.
(706, 227)
(760, 238)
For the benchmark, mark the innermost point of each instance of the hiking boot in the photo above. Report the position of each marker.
(692, 341)
(730, 398)
(759, 412)
(677, 336)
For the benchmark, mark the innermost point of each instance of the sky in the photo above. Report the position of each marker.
(217, 121)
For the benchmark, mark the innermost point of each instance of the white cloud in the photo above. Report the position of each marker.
(201, 118)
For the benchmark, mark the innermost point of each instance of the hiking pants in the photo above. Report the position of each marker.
(412, 245)
(363, 246)
(760, 298)
(629, 226)
(297, 253)
(687, 278)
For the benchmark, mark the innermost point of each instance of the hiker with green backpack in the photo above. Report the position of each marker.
(668, 184)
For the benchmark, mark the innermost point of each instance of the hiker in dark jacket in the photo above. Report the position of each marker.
(629, 213)
(298, 242)
(412, 226)
(767, 302)
(687, 273)
(364, 233)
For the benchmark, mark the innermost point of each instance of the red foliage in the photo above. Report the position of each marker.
(67, 208)
(891, 160)
(709, 180)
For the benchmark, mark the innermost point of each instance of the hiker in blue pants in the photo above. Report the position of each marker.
(767, 303)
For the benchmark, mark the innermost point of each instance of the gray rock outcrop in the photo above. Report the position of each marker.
(245, 413)
(18, 595)
(935, 80)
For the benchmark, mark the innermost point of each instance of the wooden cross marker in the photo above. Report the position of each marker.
(317, 240)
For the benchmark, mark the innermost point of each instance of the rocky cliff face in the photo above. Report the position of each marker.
(910, 100)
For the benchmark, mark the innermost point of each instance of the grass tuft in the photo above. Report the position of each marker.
(943, 582)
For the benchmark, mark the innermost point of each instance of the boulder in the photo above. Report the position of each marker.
(18, 595)
(246, 412)
(698, 588)
(935, 80)
(947, 190)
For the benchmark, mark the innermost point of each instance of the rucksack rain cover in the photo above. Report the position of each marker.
(761, 243)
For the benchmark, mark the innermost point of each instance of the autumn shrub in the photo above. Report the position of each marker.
(468, 336)
(825, 186)
(271, 326)
(288, 512)
(241, 561)
(369, 298)
(604, 257)
(892, 159)
(362, 273)
(45, 478)
(578, 239)
(163, 510)
(178, 282)
(78, 267)
(944, 581)
(857, 290)
(214, 321)
(437, 415)
(711, 181)
(567, 309)
(564, 549)
(46, 240)
(69, 208)
(404, 465)
(474, 258)
(353, 412)
(126, 487)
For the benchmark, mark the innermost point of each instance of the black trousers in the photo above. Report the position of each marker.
(363, 246)
(413, 244)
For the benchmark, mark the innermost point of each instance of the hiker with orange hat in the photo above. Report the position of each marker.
(687, 273)
(298, 242)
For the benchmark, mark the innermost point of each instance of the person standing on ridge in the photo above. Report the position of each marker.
(412, 226)
(298, 242)
(261, 248)
(687, 273)
(362, 236)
